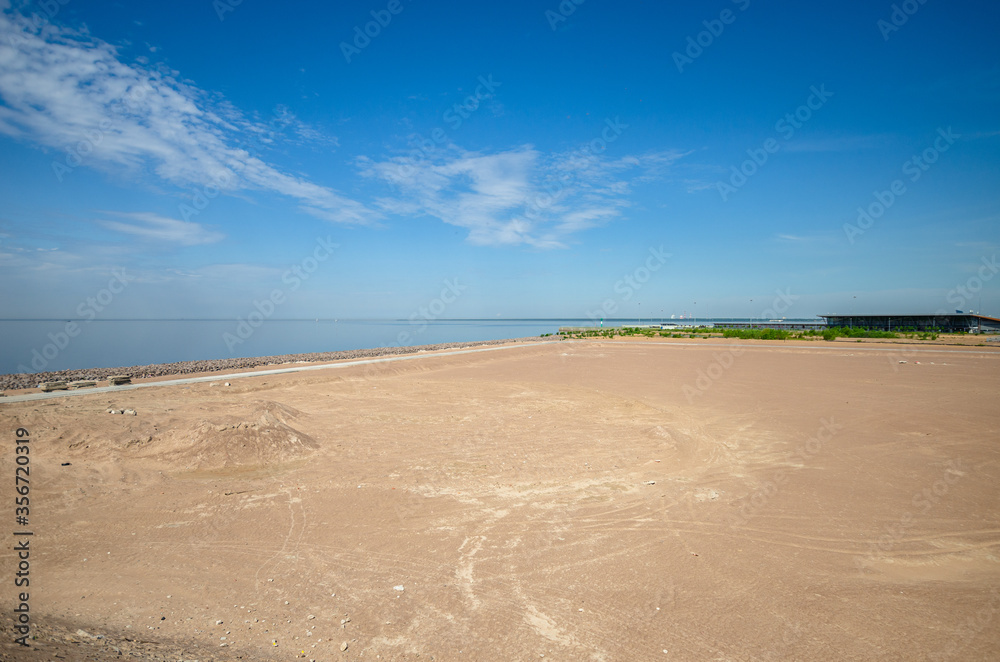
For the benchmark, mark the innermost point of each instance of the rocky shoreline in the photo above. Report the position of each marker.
(31, 380)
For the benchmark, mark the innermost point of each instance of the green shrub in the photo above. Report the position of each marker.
(856, 332)
(756, 334)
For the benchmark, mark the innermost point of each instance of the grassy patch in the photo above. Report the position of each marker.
(757, 334)
(856, 332)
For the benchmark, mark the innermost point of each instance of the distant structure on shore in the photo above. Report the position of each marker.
(946, 323)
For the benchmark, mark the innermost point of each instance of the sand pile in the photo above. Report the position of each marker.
(260, 434)
(261, 437)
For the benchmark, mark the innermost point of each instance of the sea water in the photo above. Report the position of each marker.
(39, 346)
(47, 345)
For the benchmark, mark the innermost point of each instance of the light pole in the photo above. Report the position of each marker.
(640, 313)
(751, 315)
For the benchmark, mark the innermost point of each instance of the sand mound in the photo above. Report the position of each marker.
(259, 433)
(262, 436)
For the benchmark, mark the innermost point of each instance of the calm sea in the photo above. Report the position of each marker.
(37, 346)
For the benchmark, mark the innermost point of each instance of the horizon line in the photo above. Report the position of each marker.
(373, 319)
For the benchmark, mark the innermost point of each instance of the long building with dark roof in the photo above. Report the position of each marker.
(949, 323)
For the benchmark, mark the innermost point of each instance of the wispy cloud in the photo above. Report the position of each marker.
(161, 229)
(515, 197)
(60, 86)
(837, 144)
(803, 239)
(229, 274)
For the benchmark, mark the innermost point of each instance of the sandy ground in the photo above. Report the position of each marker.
(636, 500)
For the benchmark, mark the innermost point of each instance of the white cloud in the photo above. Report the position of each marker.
(60, 86)
(162, 229)
(519, 196)
(837, 144)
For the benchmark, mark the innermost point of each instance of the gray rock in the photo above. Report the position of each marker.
(82, 383)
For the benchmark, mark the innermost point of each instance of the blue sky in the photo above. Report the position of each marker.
(533, 152)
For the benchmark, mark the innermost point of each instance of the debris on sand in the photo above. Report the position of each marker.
(82, 383)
